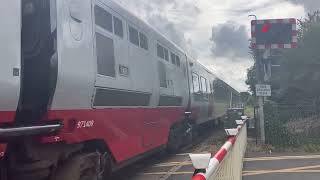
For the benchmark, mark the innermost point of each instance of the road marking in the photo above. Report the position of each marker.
(183, 154)
(174, 169)
(179, 165)
(185, 163)
(289, 170)
(244, 173)
(165, 173)
(284, 171)
(282, 158)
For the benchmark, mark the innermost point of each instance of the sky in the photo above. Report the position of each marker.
(216, 32)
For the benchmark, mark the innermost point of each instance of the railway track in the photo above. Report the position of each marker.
(172, 167)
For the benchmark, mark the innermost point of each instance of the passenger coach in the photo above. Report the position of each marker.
(94, 85)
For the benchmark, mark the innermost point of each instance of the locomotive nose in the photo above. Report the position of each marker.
(18, 50)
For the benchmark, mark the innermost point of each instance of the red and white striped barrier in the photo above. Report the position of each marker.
(227, 162)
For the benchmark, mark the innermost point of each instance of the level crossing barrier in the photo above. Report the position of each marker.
(227, 163)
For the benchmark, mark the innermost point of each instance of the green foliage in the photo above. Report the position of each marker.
(252, 79)
(249, 111)
(300, 68)
(247, 98)
(311, 148)
(286, 126)
(276, 132)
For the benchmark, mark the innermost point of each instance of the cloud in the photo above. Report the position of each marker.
(170, 17)
(231, 71)
(169, 29)
(230, 40)
(309, 5)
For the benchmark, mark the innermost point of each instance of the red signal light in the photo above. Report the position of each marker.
(265, 28)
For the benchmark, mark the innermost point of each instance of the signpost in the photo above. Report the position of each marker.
(266, 35)
(263, 90)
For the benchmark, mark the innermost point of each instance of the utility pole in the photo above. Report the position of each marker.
(262, 76)
(260, 79)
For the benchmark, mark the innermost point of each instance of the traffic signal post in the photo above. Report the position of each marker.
(267, 35)
(261, 74)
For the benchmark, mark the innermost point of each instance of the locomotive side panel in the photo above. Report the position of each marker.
(10, 48)
(75, 79)
(108, 85)
(115, 84)
(201, 100)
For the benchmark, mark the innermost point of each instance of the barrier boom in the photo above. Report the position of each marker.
(227, 163)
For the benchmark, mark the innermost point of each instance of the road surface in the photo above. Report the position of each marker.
(282, 167)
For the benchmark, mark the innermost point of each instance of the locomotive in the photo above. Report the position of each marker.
(87, 87)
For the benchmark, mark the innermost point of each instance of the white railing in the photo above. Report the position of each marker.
(227, 163)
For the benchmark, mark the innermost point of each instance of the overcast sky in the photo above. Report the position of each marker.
(216, 31)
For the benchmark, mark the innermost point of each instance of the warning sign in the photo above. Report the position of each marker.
(263, 90)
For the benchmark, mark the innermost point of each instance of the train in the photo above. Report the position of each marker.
(87, 88)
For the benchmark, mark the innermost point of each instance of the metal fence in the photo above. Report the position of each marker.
(227, 163)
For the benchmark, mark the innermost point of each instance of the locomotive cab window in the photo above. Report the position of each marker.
(160, 51)
(143, 41)
(173, 58)
(105, 55)
(118, 27)
(211, 88)
(195, 82)
(178, 61)
(162, 74)
(103, 18)
(204, 86)
(166, 54)
(134, 36)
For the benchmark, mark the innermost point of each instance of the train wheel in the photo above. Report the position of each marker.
(174, 141)
(81, 167)
(189, 134)
(105, 166)
(180, 136)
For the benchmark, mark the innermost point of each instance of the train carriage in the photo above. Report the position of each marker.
(86, 80)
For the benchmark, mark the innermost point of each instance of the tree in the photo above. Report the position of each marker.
(252, 79)
(247, 98)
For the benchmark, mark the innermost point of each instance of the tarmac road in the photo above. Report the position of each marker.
(282, 167)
